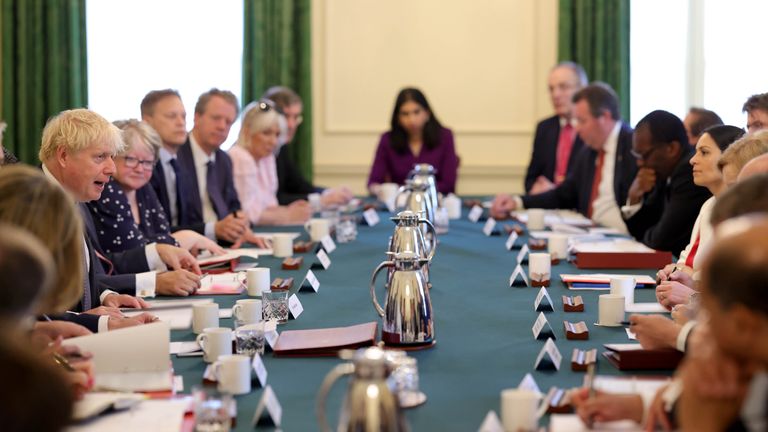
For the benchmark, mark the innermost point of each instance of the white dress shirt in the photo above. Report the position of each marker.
(605, 209)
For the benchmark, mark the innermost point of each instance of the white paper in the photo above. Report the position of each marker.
(572, 423)
(130, 359)
(613, 246)
(323, 258)
(184, 347)
(178, 303)
(221, 281)
(225, 313)
(269, 404)
(490, 224)
(604, 230)
(310, 278)
(522, 254)
(630, 335)
(645, 308)
(605, 278)
(551, 218)
(628, 385)
(624, 347)
(328, 243)
(475, 213)
(294, 305)
(157, 415)
(230, 254)
(511, 240)
(94, 403)
(268, 236)
(177, 319)
(261, 371)
(371, 217)
(491, 423)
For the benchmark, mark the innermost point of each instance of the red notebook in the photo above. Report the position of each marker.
(324, 342)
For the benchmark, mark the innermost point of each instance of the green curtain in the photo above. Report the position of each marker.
(44, 67)
(595, 34)
(277, 50)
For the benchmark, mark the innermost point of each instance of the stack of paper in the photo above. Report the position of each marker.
(176, 313)
(220, 284)
(602, 281)
(149, 415)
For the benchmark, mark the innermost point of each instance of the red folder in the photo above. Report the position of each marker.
(623, 260)
(628, 357)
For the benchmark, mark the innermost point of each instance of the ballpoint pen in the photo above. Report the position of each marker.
(589, 382)
(61, 360)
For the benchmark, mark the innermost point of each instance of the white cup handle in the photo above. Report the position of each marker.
(201, 340)
(307, 227)
(215, 369)
(543, 406)
(236, 311)
(242, 278)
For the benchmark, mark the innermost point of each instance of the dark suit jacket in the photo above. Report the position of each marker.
(669, 210)
(576, 190)
(223, 167)
(158, 184)
(291, 184)
(543, 157)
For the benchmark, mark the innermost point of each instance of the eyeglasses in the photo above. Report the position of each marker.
(643, 156)
(132, 162)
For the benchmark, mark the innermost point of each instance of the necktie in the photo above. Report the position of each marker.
(564, 146)
(596, 181)
(175, 165)
(694, 249)
(214, 192)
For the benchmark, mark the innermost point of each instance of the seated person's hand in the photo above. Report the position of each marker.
(298, 211)
(195, 242)
(541, 185)
(681, 314)
(643, 183)
(105, 310)
(81, 379)
(177, 283)
(335, 196)
(232, 227)
(118, 323)
(502, 205)
(657, 414)
(671, 293)
(51, 330)
(254, 239)
(664, 274)
(123, 300)
(177, 258)
(605, 407)
(654, 331)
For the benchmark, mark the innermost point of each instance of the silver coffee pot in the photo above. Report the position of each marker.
(407, 311)
(426, 172)
(408, 237)
(418, 200)
(370, 404)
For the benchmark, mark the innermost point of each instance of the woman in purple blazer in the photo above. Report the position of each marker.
(415, 137)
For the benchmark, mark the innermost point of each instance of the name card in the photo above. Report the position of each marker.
(541, 328)
(475, 213)
(543, 302)
(511, 240)
(518, 274)
(325, 262)
(490, 224)
(549, 357)
(310, 281)
(522, 256)
(271, 334)
(491, 423)
(208, 374)
(371, 217)
(328, 244)
(294, 306)
(268, 411)
(528, 383)
(259, 369)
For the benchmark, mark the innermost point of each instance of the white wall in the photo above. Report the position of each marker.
(483, 66)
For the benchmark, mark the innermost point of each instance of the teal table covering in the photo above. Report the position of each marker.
(482, 328)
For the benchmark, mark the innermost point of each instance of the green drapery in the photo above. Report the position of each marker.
(277, 50)
(595, 34)
(44, 67)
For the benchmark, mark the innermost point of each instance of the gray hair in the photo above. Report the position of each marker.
(133, 129)
(257, 116)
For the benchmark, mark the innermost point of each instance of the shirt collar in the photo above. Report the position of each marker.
(198, 154)
(166, 156)
(613, 140)
(563, 121)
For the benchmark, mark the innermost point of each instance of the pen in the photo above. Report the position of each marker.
(589, 382)
(58, 358)
(625, 323)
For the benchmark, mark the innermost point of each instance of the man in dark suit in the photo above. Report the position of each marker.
(556, 143)
(663, 201)
(292, 185)
(756, 108)
(603, 170)
(697, 121)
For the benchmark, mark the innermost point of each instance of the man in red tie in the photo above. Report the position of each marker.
(556, 142)
(603, 170)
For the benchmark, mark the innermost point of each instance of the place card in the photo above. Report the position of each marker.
(310, 281)
(259, 369)
(511, 240)
(518, 274)
(543, 302)
(268, 411)
(541, 328)
(208, 374)
(528, 383)
(325, 262)
(576, 331)
(573, 304)
(581, 359)
(475, 213)
(371, 217)
(294, 306)
(490, 224)
(328, 244)
(549, 357)
(271, 338)
(522, 256)
(491, 423)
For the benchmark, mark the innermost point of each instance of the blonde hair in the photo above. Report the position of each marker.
(30, 201)
(743, 150)
(77, 130)
(134, 129)
(257, 118)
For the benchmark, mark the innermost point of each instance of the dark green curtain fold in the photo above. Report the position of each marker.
(277, 50)
(595, 34)
(44, 68)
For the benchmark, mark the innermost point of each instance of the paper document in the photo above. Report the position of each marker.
(176, 318)
(294, 235)
(645, 308)
(150, 415)
(95, 403)
(230, 254)
(572, 423)
(614, 246)
(184, 347)
(631, 384)
(224, 283)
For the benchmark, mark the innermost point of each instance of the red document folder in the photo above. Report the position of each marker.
(623, 260)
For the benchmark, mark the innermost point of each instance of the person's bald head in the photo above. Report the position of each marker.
(758, 165)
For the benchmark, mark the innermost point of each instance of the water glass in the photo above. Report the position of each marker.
(249, 339)
(213, 411)
(346, 229)
(275, 305)
(332, 214)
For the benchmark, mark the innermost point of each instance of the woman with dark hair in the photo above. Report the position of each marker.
(415, 137)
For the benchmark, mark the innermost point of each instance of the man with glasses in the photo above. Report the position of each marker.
(556, 142)
(598, 183)
(756, 108)
(663, 201)
(292, 185)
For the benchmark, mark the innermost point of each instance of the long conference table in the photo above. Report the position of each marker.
(482, 327)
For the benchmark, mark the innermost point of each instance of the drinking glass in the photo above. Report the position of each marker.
(275, 305)
(346, 229)
(213, 411)
(249, 339)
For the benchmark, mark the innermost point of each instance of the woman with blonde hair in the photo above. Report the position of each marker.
(740, 152)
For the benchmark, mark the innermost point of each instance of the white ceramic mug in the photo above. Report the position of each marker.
(247, 311)
(535, 219)
(539, 268)
(282, 245)
(215, 341)
(610, 310)
(233, 373)
(387, 194)
(624, 286)
(317, 228)
(258, 280)
(557, 245)
(520, 410)
(204, 315)
(453, 204)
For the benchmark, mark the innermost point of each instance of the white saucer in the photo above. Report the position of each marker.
(412, 399)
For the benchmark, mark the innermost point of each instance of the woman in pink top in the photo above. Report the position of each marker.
(255, 170)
